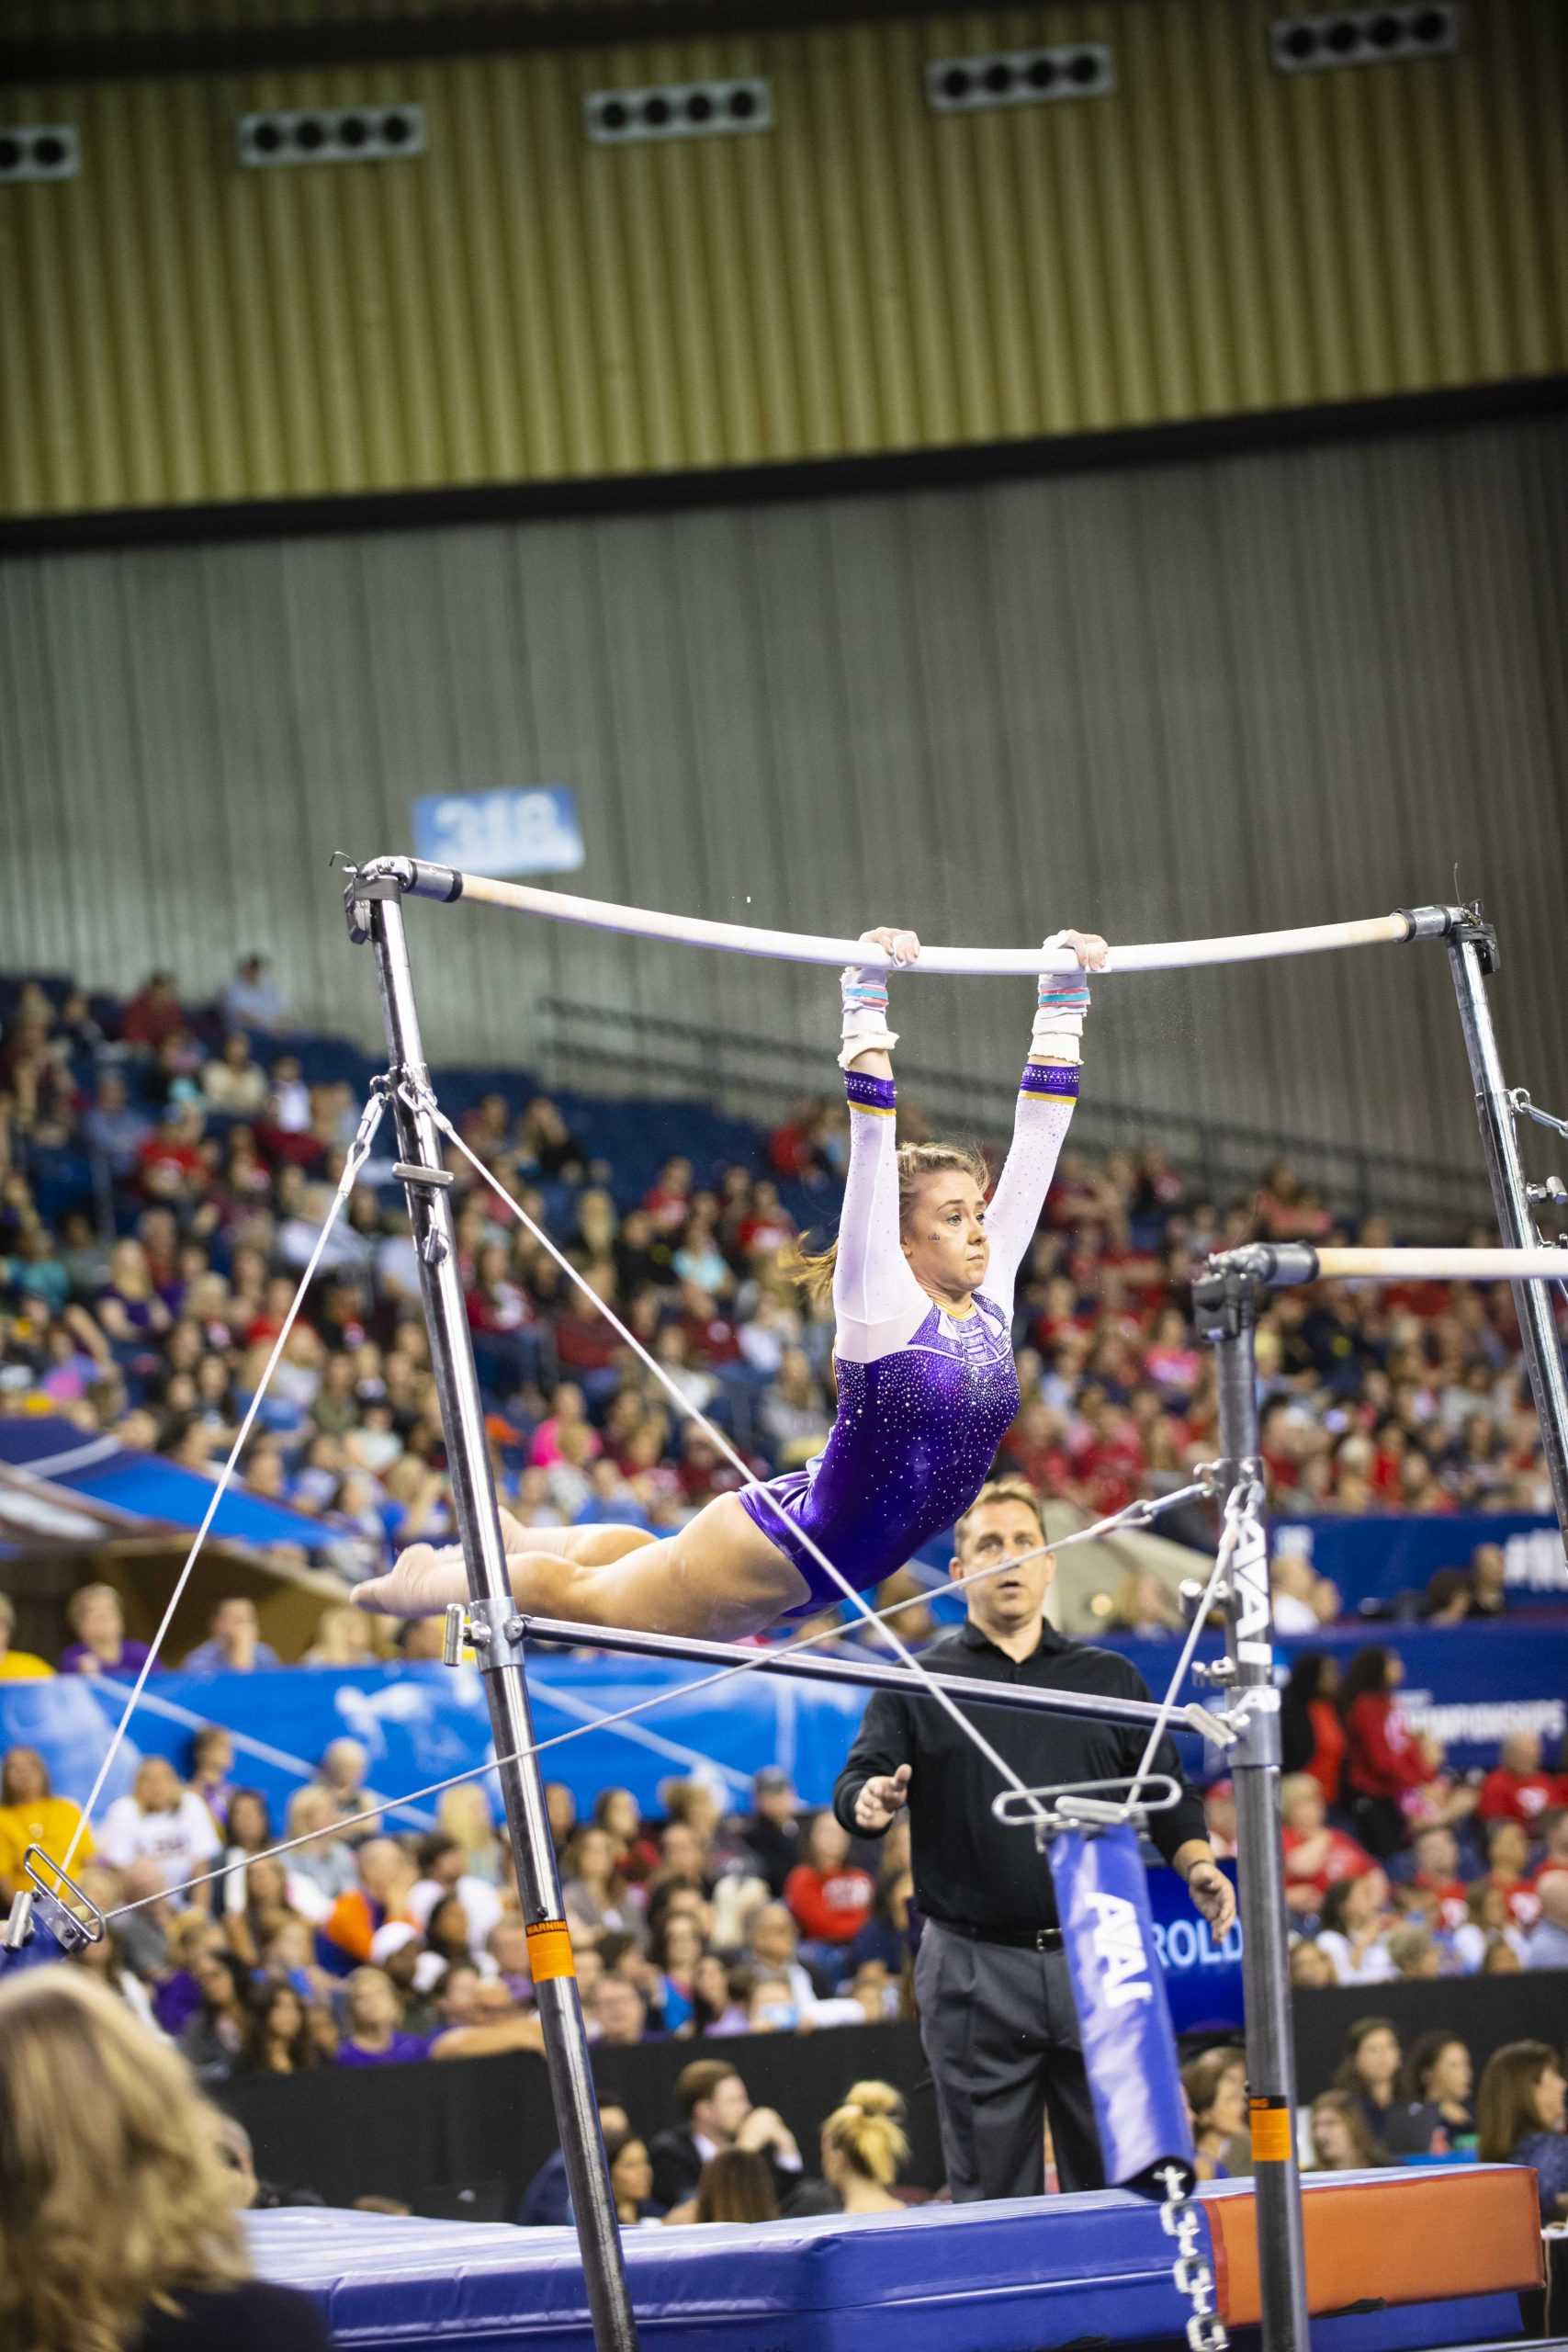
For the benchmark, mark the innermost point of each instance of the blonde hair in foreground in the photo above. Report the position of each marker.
(867, 2131)
(814, 1268)
(112, 2192)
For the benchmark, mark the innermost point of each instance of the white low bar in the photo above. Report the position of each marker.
(802, 948)
(1443, 1265)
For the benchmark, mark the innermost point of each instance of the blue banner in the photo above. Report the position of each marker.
(1203, 1976)
(1378, 1558)
(1468, 1686)
(532, 831)
(422, 1723)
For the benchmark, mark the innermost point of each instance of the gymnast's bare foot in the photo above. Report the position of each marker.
(425, 1579)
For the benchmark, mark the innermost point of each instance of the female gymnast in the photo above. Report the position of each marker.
(923, 1277)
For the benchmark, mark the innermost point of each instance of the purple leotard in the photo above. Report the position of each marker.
(925, 1398)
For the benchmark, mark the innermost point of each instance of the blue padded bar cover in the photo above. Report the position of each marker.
(1123, 2017)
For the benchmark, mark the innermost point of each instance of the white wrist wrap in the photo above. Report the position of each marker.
(1061, 1003)
(865, 1026)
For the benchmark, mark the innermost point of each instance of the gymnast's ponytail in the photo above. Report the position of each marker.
(867, 2131)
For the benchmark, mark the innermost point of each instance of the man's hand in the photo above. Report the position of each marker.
(765, 2130)
(882, 1799)
(1212, 1896)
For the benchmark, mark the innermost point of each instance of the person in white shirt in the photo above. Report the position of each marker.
(774, 1950)
(251, 1001)
(1292, 1583)
(1356, 1921)
(162, 1821)
(441, 1873)
(1547, 1944)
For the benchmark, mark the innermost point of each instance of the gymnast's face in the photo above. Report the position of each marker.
(1009, 1599)
(944, 1236)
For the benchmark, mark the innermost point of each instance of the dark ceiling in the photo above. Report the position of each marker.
(50, 40)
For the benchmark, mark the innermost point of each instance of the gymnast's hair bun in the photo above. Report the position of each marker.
(874, 2098)
(867, 2131)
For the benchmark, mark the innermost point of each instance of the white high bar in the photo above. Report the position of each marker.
(419, 879)
(1443, 1265)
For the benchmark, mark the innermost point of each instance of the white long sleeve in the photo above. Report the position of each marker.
(1040, 1126)
(876, 1300)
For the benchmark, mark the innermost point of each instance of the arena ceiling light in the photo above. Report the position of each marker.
(330, 135)
(39, 151)
(1362, 37)
(678, 110)
(1019, 77)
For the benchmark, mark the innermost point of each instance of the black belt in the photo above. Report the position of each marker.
(1015, 1939)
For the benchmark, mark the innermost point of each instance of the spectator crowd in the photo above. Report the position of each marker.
(364, 1948)
(164, 1173)
(142, 1300)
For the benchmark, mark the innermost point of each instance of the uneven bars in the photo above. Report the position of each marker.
(414, 877)
(872, 1676)
(1282, 1263)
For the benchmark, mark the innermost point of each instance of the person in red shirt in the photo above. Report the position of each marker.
(154, 1012)
(169, 1165)
(1383, 1761)
(1035, 1447)
(1517, 1790)
(789, 1145)
(1507, 1857)
(768, 1225)
(1107, 1456)
(829, 1899)
(1315, 1855)
(1311, 1734)
(585, 1343)
(710, 1333)
(668, 1200)
(702, 1470)
(1436, 1874)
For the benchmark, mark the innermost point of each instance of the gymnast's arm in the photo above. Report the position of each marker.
(1046, 1096)
(876, 1300)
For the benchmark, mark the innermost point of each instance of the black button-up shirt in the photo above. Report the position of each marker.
(968, 1867)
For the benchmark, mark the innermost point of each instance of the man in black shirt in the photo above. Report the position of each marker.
(995, 2003)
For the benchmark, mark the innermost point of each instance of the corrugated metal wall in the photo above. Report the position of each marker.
(519, 305)
(1270, 690)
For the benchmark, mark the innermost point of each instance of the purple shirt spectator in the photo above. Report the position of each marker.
(175, 2001)
(133, 1656)
(402, 2051)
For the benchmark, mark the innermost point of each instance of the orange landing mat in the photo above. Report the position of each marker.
(1413, 2236)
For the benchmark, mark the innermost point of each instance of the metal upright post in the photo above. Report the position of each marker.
(495, 1630)
(1472, 953)
(1226, 1303)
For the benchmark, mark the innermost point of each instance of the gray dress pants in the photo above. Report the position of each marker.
(1002, 2037)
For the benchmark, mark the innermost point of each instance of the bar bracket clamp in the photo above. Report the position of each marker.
(1471, 929)
(492, 1629)
(1253, 1719)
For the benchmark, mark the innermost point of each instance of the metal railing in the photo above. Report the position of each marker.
(1220, 1159)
